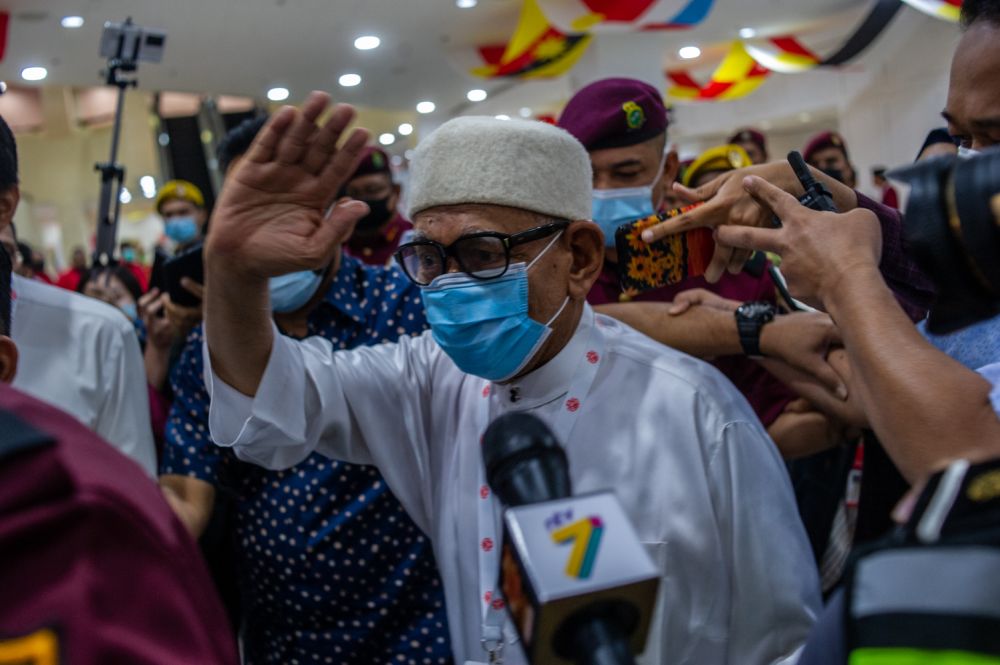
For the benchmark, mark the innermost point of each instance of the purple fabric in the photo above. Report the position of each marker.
(613, 113)
(912, 288)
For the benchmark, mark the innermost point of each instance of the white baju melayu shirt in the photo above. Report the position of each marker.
(689, 461)
(82, 356)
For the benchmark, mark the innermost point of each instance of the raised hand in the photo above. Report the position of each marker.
(277, 211)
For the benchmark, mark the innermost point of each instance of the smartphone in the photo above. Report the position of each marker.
(671, 260)
(157, 280)
(186, 264)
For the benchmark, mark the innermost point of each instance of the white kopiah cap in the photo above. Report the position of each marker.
(523, 164)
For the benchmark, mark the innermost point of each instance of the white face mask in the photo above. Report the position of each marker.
(967, 153)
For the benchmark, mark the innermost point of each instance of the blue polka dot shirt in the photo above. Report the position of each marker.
(330, 567)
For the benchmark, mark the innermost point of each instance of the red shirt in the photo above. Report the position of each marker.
(767, 395)
(379, 251)
(93, 562)
(70, 279)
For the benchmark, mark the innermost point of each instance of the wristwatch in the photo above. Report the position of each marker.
(750, 318)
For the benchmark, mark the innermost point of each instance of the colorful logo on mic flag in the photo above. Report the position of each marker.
(535, 50)
(947, 10)
(585, 537)
(737, 76)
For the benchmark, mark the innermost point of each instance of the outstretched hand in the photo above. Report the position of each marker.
(278, 211)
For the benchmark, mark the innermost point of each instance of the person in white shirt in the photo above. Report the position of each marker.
(76, 353)
(507, 254)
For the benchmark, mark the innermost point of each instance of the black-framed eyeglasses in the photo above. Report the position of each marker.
(483, 255)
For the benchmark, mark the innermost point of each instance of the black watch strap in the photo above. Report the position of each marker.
(750, 319)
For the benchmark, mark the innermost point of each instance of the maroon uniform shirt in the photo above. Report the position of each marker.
(767, 395)
(94, 566)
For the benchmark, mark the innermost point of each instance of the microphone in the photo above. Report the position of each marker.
(578, 583)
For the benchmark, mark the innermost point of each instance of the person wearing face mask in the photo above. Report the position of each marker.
(395, 595)
(377, 234)
(827, 152)
(505, 254)
(182, 206)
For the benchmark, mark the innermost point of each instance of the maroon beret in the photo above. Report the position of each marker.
(822, 141)
(613, 113)
(373, 160)
(750, 135)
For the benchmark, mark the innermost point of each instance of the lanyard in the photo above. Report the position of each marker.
(489, 508)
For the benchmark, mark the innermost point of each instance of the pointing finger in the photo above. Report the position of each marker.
(779, 201)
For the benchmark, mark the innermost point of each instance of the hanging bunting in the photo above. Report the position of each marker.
(536, 50)
(626, 15)
(737, 76)
(947, 10)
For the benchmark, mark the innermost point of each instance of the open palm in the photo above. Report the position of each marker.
(274, 215)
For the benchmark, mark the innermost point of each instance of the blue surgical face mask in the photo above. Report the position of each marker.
(181, 229)
(130, 311)
(291, 292)
(611, 208)
(967, 153)
(483, 325)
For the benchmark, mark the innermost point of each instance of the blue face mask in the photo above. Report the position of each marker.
(181, 229)
(483, 325)
(130, 311)
(967, 153)
(610, 208)
(291, 292)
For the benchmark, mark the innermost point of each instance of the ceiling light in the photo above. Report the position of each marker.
(747, 33)
(277, 94)
(405, 129)
(147, 184)
(349, 80)
(689, 52)
(426, 107)
(525, 112)
(466, 4)
(163, 139)
(502, 116)
(34, 73)
(387, 139)
(125, 196)
(367, 42)
(72, 21)
(476, 95)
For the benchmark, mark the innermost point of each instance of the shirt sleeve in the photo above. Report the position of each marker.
(363, 406)
(124, 418)
(913, 289)
(188, 449)
(775, 594)
(992, 374)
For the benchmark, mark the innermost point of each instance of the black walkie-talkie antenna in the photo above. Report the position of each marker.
(817, 196)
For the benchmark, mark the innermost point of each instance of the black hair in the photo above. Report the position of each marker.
(6, 266)
(114, 270)
(8, 157)
(237, 141)
(977, 11)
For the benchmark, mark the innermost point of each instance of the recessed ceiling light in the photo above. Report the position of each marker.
(387, 139)
(466, 4)
(367, 42)
(277, 94)
(72, 21)
(502, 116)
(747, 33)
(350, 80)
(426, 107)
(476, 95)
(147, 184)
(689, 52)
(525, 112)
(125, 196)
(405, 129)
(34, 73)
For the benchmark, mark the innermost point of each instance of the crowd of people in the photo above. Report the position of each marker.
(278, 459)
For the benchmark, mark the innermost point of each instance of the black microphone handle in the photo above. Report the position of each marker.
(600, 642)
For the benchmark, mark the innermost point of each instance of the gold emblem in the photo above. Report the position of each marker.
(635, 117)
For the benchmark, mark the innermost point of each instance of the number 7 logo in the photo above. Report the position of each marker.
(585, 535)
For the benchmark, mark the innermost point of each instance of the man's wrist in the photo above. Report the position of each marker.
(751, 319)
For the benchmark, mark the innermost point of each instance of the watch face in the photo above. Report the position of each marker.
(757, 311)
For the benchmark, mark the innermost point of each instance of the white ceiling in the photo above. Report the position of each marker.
(244, 47)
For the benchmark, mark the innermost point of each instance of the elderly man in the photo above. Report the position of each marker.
(506, 257)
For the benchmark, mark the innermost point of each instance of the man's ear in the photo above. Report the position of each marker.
(671, 167)
(586, 242)
(8, 359)
(8, 204)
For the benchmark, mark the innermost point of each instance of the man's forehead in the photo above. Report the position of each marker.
(445, 223)
(974, 88)
(641, 154)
